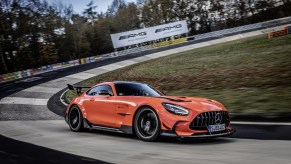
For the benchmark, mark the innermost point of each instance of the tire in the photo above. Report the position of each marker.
(146, 124)
(75, 119)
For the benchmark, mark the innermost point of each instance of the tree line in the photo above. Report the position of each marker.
(34, 33)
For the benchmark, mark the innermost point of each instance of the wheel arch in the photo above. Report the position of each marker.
(138, 109)
(70, 107)
(82, 110)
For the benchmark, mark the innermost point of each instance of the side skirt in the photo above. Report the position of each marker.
(106, 129)
(123, 129)
(126, 129)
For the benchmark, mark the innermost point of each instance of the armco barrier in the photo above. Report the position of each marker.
(36, 71)
(98, 58)
(162, 44)
(57, 66)
(92, 59)
(26, 73)
(167, 43)
(83, 61)
(87, 60)
(65, 64)
(74, 62)
(1, 78)
(191, 38)
(23, 74)
(245, 28)
(17, 75)
(8, 77)
(5, 77)
(47, 68)
(14, 76)
(105, 56)
(180, 40)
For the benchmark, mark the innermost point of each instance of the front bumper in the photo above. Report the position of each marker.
(195, 125)
(199, 135)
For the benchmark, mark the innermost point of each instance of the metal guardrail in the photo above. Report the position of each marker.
(245, 28)
(214, 34)
(219, 33)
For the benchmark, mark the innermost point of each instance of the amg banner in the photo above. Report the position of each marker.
(148, 34)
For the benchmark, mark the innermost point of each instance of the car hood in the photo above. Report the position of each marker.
(194, 103)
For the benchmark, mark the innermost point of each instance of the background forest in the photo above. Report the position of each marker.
(35, 33)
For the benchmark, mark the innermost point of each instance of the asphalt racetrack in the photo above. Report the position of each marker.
(121, 148)
(32, 129)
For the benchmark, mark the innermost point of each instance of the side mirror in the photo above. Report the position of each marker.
(104, 92)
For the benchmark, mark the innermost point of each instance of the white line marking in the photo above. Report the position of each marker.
(141, 59)
(38, 88)
(111, 67)
(63, 80)
(260, 123)
(23, 101)
(96, 71)
(82, 75)
(126, 63)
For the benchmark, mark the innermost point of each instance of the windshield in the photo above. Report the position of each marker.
(135, 89)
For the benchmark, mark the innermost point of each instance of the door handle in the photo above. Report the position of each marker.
(91, 99)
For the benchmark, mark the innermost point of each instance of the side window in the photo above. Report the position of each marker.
(96, 90)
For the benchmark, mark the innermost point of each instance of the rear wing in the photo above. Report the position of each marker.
(77, 87)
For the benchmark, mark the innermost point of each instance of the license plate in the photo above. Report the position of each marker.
(216, 128)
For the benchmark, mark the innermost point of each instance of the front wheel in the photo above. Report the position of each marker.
(75, 119)
(146, 124)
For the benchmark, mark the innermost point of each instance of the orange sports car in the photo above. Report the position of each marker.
(137, 108)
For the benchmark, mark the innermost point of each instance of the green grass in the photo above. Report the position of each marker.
(248, 75)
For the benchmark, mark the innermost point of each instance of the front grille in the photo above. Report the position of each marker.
(202, 120)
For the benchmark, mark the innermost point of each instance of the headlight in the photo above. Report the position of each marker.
(175, 109)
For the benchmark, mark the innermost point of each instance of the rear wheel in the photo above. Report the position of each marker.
(147, 124)
(75, 119)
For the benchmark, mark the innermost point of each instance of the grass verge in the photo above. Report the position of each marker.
(251, 75)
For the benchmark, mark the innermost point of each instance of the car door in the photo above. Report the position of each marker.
(101, 108)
